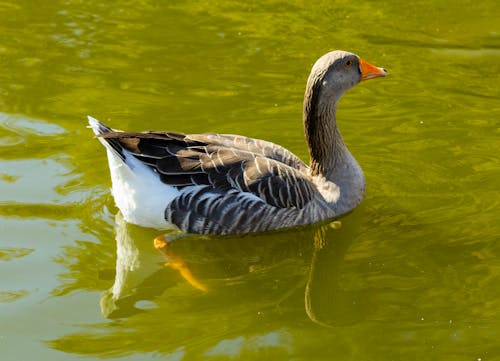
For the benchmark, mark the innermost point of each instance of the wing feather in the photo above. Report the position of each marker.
(223, 162)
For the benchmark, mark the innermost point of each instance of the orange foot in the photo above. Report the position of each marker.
(177, 263)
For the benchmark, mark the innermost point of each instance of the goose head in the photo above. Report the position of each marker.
(337, 71)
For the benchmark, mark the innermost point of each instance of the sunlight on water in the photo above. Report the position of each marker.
(411, 274)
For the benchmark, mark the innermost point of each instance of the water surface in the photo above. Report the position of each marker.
(411, 274)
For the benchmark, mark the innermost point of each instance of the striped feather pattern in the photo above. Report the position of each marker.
(223, 162)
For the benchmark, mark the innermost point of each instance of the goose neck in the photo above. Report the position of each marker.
(326, 146)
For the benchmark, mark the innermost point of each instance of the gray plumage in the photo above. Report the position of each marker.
(234, 184)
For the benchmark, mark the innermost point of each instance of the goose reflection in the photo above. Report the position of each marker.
(138, 275)
(206, 265)
(331, 300)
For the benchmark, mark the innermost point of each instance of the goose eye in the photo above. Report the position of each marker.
(348, 62)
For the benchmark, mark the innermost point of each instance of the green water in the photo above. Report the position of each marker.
(411, 274)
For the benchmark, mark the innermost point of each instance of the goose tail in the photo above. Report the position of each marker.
(138, 191)
(97, 126)
(111, 144)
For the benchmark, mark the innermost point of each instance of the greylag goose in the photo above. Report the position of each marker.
(226, 184)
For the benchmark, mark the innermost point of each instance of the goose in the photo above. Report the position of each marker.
(230, 184)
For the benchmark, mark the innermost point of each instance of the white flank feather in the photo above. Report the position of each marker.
(138, 191)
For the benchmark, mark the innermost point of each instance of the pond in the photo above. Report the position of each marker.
(412, 274)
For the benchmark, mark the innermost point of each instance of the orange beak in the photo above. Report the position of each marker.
(369, 71)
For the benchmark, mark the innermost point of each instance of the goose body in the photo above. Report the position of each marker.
(222, 183)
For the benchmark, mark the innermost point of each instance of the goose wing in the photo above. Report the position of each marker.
(225, 162)
(252, 145)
